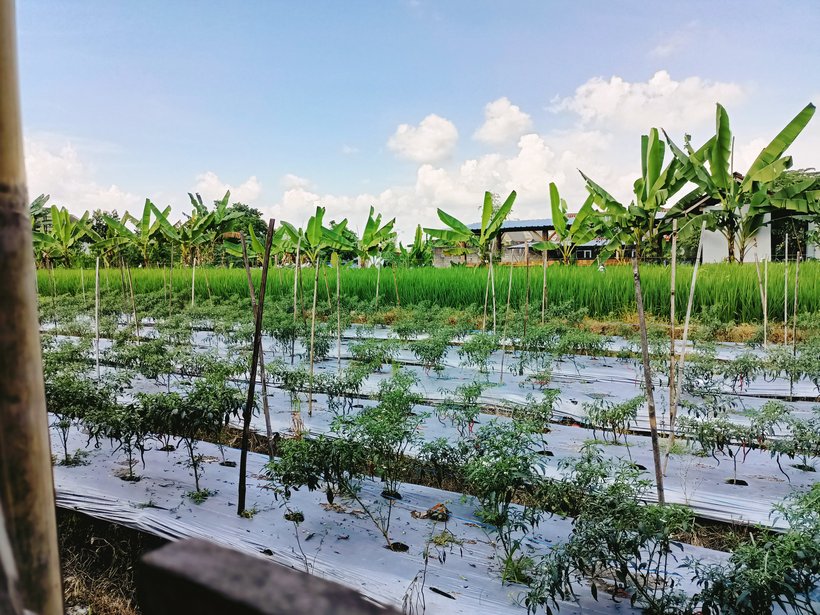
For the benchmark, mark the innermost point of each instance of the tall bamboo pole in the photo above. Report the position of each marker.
(262, 377)
(26, 484)
(171, 285)
(97, 317)
(762, 299)
(82, 284)
(527, 285)
(257, 344)
(486, 301)
(647, 375)
(378, 279)
(766, 299)
(337, 263)
(786, 294)
(506, 320)
(193, 278)
(672, 283)
(396, 285)
(794, 310)
(492, 283)
(133, 306)
(313, 332)
(544, 264)
(673, 410)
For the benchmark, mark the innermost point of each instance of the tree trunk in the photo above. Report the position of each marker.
(26, 484)
(647, 375)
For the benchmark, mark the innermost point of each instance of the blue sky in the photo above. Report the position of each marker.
(406, 105)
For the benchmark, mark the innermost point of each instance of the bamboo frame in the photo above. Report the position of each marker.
(26, 483)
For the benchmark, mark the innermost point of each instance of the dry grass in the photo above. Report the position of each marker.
(98, 561)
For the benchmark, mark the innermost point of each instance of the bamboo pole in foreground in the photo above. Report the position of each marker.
(26, 484)
(257, 337)
(262, 376)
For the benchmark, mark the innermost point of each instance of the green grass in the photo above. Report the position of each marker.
(731, 287)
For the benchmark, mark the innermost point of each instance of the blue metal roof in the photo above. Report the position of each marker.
(535, 224)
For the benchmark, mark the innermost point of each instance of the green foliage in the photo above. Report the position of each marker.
(615, 539)
(373, 352)
(477, 350)
(461, 407)
(614, 417)
(430, 351)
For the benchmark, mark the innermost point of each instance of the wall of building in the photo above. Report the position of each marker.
(716, 250)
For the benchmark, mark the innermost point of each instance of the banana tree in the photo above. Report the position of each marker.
(148, 229)
(641, 222)
(569, 232)
(375, 237)
(742, 200)
(461, 237)
(63, 238)
(315, 241)
(220, 220)
(39, 214)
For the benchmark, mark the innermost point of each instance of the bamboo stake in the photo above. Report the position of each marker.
(26, 484)
(337, 264)
(193, 278)
(672, 289)
(133, 306)
(650, 396)
(82, 284)
(378, 279)
(486, 301)
(257, 344)
(527, 283)
(673, 410)
(762, 298)
(262, 377)
(313, 334)
(544, 263)
(766, 299)
(97, 317)
(299, 278)
(794, 311)
(327, 289)
(492, 282)
(171, 285)
(164, 284)
(786, 295)
(504, 333)
(396, 286)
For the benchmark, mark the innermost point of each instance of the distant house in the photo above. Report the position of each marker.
(511, 243)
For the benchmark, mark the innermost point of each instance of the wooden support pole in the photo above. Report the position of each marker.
(672, 284)
(262, 377)
(786, 294)
(97, 318)
(26, 484)
(526, 285)
(647, 375)
(762, 299)
(257, 343)
(794, 310)
(506, 320)
(673, 408)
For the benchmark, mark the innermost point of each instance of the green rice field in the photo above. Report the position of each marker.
(732, 288)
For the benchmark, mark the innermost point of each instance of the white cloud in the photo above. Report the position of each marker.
(54, 166)
(662, 102)
(432, 140)
(349, 150)
(210, 187)
(503, 122)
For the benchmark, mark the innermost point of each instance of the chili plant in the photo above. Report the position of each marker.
(617, 418)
